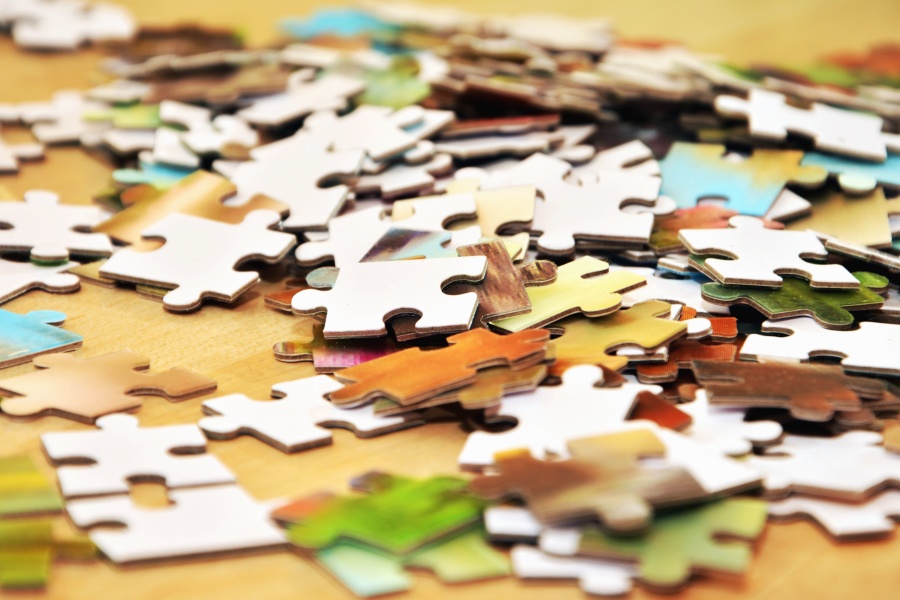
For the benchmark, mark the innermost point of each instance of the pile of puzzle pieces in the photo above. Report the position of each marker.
(618, 265)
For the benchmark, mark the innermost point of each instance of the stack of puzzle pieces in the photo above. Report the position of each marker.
(617, 266)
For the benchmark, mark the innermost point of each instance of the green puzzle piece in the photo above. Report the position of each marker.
(830, 308)
(24, 490)
(398, 514)
(29, 546)
(686, 541)
(369, 572)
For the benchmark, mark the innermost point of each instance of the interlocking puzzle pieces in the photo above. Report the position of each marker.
(359, 303)
(845, 132)
(691, 172)
(857, 176)
(199, 256)
(301, 98)
(24, 337)
(49, 230)
(860, 350)
(850, 467)
(25, 489)
(726, 429)
(829, 307)
(759, 255)
(29, 546)
(679, 544)
(199, 522)
(589, 341)
(297, 420)
(844, 521)
(664, 238)
(84, 389)
(414, 375)
(11, 154)
(106, 461)
(581, 286)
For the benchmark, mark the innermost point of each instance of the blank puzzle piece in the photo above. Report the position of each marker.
(11, 154)
(84, 389)
(725, 429)
(359, 303)
(205, 521)
(49, 230)
(378, 130)
(17, 278)
(28, 547)
(199, 257)
(350, 236)
(24, 337)
(594, 576)
(25, 489)
(121, 452)
(760, 255)
(302, 98)
(298, 419)
(844, 521)
(691, 172)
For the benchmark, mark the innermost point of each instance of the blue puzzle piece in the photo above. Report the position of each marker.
(158, 175)
(748, 184)
(341, 22)
(857, 175)
(22, 337)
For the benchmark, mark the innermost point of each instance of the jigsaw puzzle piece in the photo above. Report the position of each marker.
(203, 521)
(858, 176)
(11, 154)
(594, 576)
(301, 98)
(329, 356)
(350, 237)
(60, 120)
(725, 429)
(863, 220)
(407, 244)
(25, 489)
(378, 130)
(405, 179)
(844, 521)
(29, 546)
(25, 337)
(681, 354)
(17, 278)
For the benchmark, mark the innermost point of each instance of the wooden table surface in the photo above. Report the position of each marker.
(233, 345)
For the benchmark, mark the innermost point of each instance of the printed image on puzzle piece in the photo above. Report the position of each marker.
(24, 337)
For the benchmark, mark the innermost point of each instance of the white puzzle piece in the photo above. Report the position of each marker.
(200, 522)
(534, 170)
(199, 256)
(405, 179)
(121, 452)
(302, 98)
(205, 135)
(434, 213)
(872, 518)
(869, 349)
(670, 289)
(298, 419)
(60, 120)
(594, 575)
(377, 130)
(761, 255)
(349, 238)
(725, 429)
(16, 278)
(67, 25)
(486, 146)
(633, 158)
(367, 294)
(11, 154)
(50, 230)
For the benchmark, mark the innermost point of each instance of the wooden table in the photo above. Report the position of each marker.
(233, 345)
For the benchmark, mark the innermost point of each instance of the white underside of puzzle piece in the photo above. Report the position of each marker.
(873, 518)
(17, 278)
(725, 428)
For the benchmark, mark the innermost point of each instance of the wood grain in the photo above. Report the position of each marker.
(233, 345)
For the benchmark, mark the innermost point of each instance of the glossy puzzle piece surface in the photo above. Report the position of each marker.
(358, 304)
(28, 548)
(297, 420)
(759, 255)
(829, 307)
(581, 286)
(199, 257)
(844, 521)
(23, 337)
(860, 350)
(49, 230)
(691, 172)
(329, 356)
(858, 176)
(414, 375)
(192, 525)
(84, 389)
(121, 452)
(25, 490)
(861, 219)
(725, 429)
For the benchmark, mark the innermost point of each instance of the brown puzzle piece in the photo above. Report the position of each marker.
(84, 389)
(681, 353)
(221, 89)
(650, 407)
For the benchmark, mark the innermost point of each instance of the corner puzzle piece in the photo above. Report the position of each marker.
(603, 480)
(589, 341)
(407, 244)
(11, 154)
(380, 131)
(664, 238)
(359, 303)
(593, 212)
(503, 293)
(350, 236)
(681, 354)
(863, 220)
(873, 518)
(725, 428)
(691, 172)
(550, 416)
(106, 461)
(367, 571)
(200, 194)
(396, 514)
(24, 337)
(581, 286)
(199, 257)
(83, 389)
(60, 120)
(860, 350)
(25, 490)
(759, 255)
(29, 546)
(858, 176)
(594, 576)
(204, 521)
(49, 230)
(845, 132)
(17, 278)
(809, 392)
(273, 173)
(414, 375)
(297, 420)
(829, 307)
(850, 467)
(302, 98)
(685, 542)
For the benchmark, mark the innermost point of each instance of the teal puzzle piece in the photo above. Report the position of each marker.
(857, 175)
(160, 176)
(22, 337)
